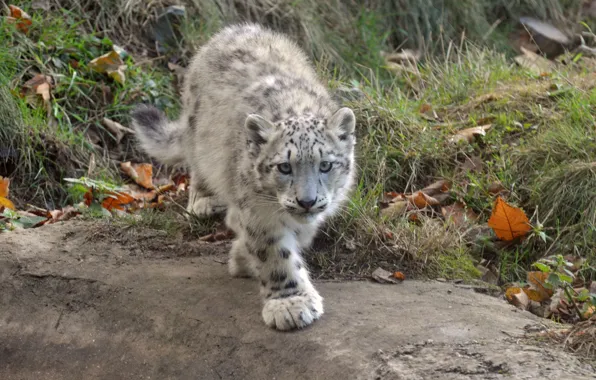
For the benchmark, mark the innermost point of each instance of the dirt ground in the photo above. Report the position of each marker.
(86, 300)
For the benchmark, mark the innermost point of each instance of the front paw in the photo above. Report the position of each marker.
(293, 312)
(205, 207)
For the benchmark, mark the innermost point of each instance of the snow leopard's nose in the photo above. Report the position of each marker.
(306, 203)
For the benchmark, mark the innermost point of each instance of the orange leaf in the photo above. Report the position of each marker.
(140, 173)
(537, 280)
(507, 221)
(22, 19)
(88, 197)
(5, 202)
(510, 292)
(421, 200)
(4, 182)
(116, 201)
(535, 295)
(518, 297)
(399, 276)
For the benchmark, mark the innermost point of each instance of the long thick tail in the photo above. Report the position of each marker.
(159, 137)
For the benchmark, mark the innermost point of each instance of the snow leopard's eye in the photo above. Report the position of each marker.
(284, 168)
(325, 166)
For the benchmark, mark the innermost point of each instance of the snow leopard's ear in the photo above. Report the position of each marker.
(343, 123)
(258, 128)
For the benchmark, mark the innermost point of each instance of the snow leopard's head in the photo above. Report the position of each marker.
(304, 163)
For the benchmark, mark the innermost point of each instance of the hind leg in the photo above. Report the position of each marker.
(201, 201)
(241, 263)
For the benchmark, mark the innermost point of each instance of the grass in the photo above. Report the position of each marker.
(81, 98)
(541, 146)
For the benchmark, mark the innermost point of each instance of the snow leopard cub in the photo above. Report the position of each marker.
(263, 140)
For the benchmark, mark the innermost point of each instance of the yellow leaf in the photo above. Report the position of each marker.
(4, 202)
(118, 74)
(110, 64)
(107, 62)
(507, 221)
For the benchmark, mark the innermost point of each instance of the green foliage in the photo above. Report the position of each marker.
(44, 152)
(561, 277)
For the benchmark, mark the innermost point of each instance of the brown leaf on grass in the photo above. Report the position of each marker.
(117, 129)
(469, 134)
(421, 200)
(4, 201)
(472, 164)
(110, 64)
(507, 221)
(140, 173)
(20, 18)
(441, 186)
(395, 209)
(425, 108)
(496, 188)
(535, 63)
(116, 201)
(537, 279)
(458, 214)
(39, 87)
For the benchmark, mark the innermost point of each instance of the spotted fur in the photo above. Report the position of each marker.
(263, 140)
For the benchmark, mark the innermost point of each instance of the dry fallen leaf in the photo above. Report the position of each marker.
(469, 133)
(40, 85)
(496, 188)
(517, 297)
(111, 64)
(20, 17)
(66, 213)
(116, 201)
(421, 200)
(537, 279)
(395, 209)
(441, 186)
(384, 277)
(537, 64)
(140, 173)
(399, 275)
(507, 221)
(4, 201)
(458, 214)
(117, 129)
